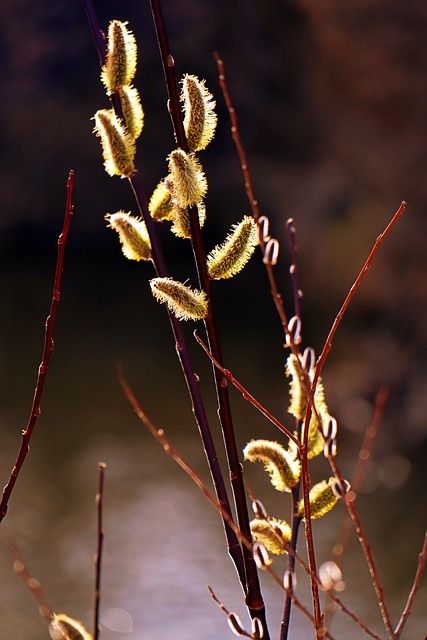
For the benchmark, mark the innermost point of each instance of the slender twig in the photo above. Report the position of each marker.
(100, 540)
(290, 228)
(254, 599)
(47, 352)
(363, 459)
(181, 345)
(319, 366)
(253, 202)
(422, 559)
(32, 583)
(356, 482)
(246, 395)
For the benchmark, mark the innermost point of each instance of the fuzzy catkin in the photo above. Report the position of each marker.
(133, 235)
(120, 65)
(200, 119)
(227, 259)
(118, 147)
(189, 181)
(183, 302)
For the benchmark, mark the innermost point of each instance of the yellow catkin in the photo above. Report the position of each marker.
(181, 220)
(189, 181)
(227, 259)
(133, 235)
(283, 467)
(63, 627)
(120, 65)
(200, 119)
(323, 497)
(267, 533)
(133, 113)
(183, 302)
(118, 147)
(298, 405)
(160, 205)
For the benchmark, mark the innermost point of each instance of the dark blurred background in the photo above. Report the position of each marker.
(332, 101)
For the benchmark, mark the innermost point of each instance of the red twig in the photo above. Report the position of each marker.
(47, 352)
(98, 555)
(32, 583)
(247, 396)
(328, 344)
(422, 558)
(235, 133)
(319, 366)
(364, 456)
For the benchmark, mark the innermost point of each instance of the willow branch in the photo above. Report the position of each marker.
(47, 352)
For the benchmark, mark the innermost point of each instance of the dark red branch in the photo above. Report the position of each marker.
(99, 546)
(47, 352)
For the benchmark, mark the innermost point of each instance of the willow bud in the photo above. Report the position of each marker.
(181, 220)
(283, 467)
(132, 110)
(63, 627)
(133, 235)
(118, 147)
(272, 534)
(183, 302)
(189, 181)
(229, 258)
(120, 64)
(323, 497)
(160, 205)
(200, 119)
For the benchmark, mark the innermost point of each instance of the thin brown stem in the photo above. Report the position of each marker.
(319, 366)
(246, 395)
(32, 583)
(363, 459)
(47, 352)
(99, 547)
(422, 559)
(253, 202)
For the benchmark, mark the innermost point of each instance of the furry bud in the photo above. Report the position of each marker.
(132, 110)
(183, 302)
(63, 627)
(189, 181)
(283, 467)
(133, 235)
(229, 258)
(120, 64)
(118, 147)
(160, 205)
(200, 119)
(323, 497)
(272, 534)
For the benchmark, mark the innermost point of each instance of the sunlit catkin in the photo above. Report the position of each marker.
(160, 205)
(120, 65)
(283, 467)
(189, 181)
(118, 146)
(272, 534)
(181, 220)
(63, 627)
(183, 302)
(133, 235)
(323, 497)
(227, 259)
(200, 119)
(132, 110)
